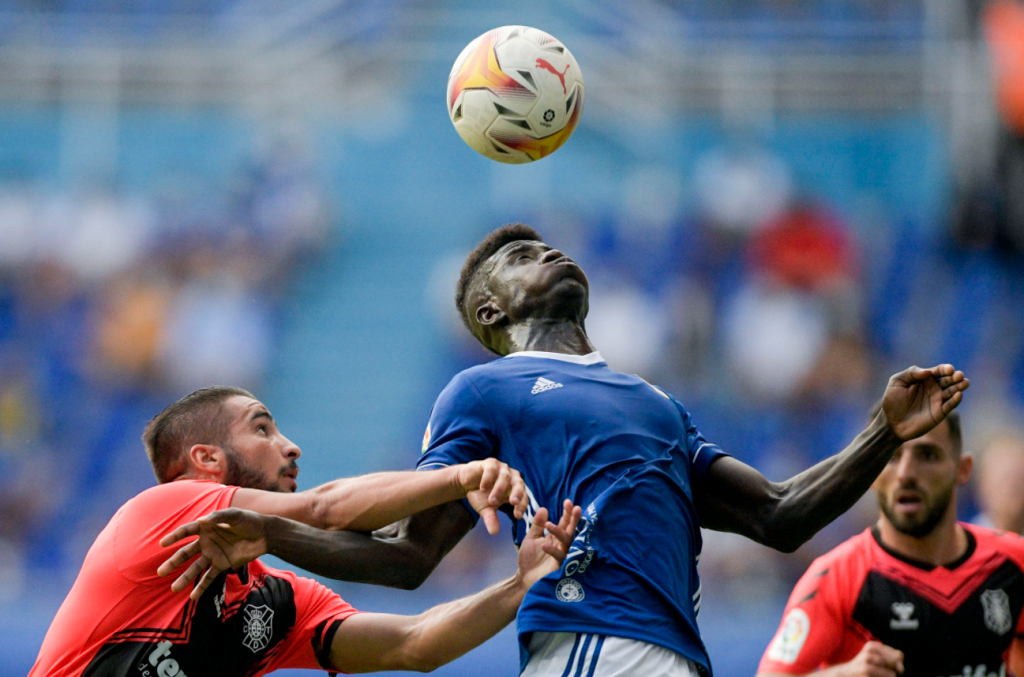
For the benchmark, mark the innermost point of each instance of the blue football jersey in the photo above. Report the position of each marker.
(624, 451)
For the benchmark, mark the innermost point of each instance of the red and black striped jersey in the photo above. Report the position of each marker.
(960, 620)
(121, 619)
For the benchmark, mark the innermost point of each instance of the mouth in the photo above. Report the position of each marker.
(563, 260)
(908, 501)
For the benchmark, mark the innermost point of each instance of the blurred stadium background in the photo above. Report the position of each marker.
(779, 204)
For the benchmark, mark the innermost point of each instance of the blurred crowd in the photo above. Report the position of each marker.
(115, 302)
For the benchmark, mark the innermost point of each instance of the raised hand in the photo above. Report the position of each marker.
(227, 540)
(541, 553)
(916, 400)
(489, 484)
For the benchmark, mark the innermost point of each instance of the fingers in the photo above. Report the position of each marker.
(517, 497)
(561, 535)
(184, 531)
(183, 555)
(191, 574)
(882, 660)
(952, 379)
(914, 374)
(208, 578)
(489, 470)
(951, 404)
(490, 518)
(537, 527)
(502, 486)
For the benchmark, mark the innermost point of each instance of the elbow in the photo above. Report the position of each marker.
(784, 527)
(425, 664)
(787, 543)
(415, 571)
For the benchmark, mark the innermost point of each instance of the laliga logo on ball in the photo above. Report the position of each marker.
(515, 94)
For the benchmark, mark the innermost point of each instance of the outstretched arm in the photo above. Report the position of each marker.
(784, 515)
(374, 501)
(400, 556)
(371, 642)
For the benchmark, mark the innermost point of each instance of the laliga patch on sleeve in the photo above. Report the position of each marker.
(791, 638)
(426, 439)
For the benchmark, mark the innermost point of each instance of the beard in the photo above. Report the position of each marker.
(923, 523)
(241, 474)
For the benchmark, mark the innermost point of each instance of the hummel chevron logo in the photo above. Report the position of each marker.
(543, 384)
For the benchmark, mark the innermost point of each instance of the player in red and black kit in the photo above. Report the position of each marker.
(918, 594)
(219, 447)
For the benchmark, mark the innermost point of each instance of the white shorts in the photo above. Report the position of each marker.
(572, 654)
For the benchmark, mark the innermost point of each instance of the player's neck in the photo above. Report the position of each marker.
(946, 543)
(550, 336)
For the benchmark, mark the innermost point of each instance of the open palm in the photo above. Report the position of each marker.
(916, 400)
(542, 552)
(227, 540)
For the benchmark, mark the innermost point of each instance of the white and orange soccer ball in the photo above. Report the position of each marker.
(515, 94)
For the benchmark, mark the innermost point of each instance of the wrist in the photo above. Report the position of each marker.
(456, 483)
(881, 427)
(518, 585)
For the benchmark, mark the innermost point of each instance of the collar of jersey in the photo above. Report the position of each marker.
(589, 358)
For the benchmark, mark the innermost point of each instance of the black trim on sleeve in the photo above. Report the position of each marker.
(323, 636)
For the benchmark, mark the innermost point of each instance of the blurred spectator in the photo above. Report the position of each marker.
(739, 187)
(1000, 482)
(109, 297)
(795, 327)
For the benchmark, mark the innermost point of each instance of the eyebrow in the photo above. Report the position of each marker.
(261, 413)
(521, 245)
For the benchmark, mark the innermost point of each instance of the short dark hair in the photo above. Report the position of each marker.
(512, 232)
(956, 435)
(194, 419)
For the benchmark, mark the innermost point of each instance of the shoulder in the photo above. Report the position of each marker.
(480, 376)
(177, 494)
(842, 567)
(1003, 541)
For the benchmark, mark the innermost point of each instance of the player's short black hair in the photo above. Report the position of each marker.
(511, 232)
(196, 418)
(956, 435)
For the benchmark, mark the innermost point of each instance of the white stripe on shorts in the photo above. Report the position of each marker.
(572, 654)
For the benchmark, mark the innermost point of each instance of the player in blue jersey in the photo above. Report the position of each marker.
(625, 602)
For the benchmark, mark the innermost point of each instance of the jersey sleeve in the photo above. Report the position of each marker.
(702, 453)
(813, 625)
(461, 428)
(153, 514)
(319, 613)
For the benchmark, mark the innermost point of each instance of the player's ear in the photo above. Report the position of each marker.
(488, 314)
(207, 459)
(964, 469)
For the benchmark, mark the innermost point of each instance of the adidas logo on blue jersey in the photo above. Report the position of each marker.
(543, 384)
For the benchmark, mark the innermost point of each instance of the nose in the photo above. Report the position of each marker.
(905, 468)
(291, 450)
(551, 255)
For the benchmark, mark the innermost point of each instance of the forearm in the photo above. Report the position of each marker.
(815, 497)
(373, 501)
(445, 632)
(402, 555)
(374, 558)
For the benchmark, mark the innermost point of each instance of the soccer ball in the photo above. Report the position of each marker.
(515, 94)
